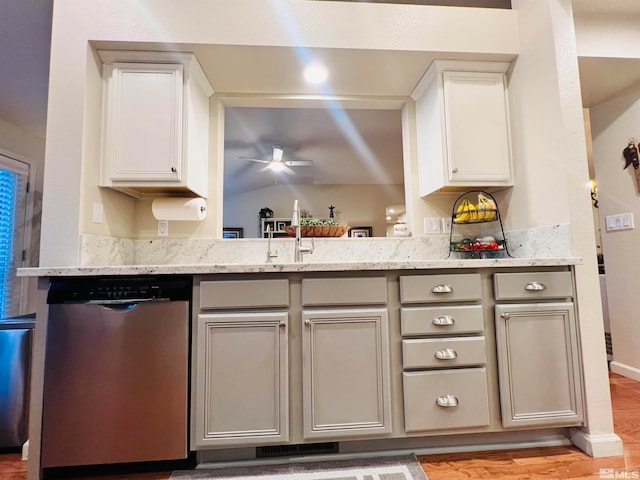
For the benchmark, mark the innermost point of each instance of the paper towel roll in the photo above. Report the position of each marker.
(179, 208)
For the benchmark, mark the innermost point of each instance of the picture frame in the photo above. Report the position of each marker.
(235, 232)
(361, 232)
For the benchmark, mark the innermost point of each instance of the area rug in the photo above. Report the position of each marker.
(404, 467)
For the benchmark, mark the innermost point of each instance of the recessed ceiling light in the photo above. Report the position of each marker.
(316, 73)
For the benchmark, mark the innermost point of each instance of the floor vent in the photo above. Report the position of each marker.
(291, 450)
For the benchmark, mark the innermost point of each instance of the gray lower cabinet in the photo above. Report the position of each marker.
(346, 389)
(538, 364)
(242, 380)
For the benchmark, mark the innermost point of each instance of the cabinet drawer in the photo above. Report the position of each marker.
(441, 320)
(344, 291)
(445, 399)
(244, 294)
(532, 285)
(440, 288)
(443, 352)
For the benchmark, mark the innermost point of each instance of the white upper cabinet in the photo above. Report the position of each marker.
(462, 121)
(155, 123)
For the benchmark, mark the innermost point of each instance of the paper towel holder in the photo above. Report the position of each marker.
(179, 208)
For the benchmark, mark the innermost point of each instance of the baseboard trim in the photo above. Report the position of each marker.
(625, 370)
(550, 441)
(601, 445)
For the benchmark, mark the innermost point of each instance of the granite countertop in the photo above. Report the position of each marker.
(306, 266)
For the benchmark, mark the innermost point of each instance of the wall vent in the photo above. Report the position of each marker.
(292, 450)
(608, 344)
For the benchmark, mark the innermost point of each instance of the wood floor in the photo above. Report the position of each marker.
(550, 463)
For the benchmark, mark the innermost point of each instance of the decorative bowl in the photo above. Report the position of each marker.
(318, 230)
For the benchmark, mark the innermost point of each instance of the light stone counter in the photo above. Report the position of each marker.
(546, 246)
(294, 267)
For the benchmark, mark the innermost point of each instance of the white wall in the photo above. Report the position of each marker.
(612, 123)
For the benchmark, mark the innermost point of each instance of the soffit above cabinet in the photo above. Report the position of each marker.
(249, 69)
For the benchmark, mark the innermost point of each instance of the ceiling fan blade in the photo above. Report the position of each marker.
(259, 160)
(282, 168)
(287, 170)
(298, 163)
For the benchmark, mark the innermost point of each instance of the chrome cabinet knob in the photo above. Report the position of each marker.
(447, 401)
(535, 286)
(442, 289)
(443, 320)
(446, 354)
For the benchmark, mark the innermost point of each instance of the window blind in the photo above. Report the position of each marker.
(14, 176)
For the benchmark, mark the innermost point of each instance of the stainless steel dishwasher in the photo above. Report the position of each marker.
(116, 371)
(15, 367)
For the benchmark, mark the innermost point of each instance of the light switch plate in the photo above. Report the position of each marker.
(431, 225)
(623, 221)
(98, 212)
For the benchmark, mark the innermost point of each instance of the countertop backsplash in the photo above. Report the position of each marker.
(543, 242)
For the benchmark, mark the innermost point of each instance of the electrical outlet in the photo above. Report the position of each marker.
(446, 224)
(163, 228)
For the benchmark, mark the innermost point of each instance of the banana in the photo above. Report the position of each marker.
(481, 210)
(462, 213)
(490, 207)
(473, 212)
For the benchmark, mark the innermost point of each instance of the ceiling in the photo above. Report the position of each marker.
(25, 28)
(345, 146)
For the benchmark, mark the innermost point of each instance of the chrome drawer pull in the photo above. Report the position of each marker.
(442, 289)
(443, 320)
(535, 286)
(446, 354)
(506, 316)
(282, 324)
(447, 401)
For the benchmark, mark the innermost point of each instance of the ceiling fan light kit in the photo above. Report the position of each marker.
(276, 162)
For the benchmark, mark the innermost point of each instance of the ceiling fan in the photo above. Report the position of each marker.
(276, 163)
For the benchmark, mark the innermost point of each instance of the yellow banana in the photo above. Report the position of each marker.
(481, 210)
(473, 212)
(462, 213)
(490, 207)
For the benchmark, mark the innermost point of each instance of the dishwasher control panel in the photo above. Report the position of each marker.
(107, 289)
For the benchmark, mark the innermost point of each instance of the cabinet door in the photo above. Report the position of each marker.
(477, 129)
(143, 122)
(346, 390)
(538, 363)
(241, 394)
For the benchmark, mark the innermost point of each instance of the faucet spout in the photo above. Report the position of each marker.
(270, 254)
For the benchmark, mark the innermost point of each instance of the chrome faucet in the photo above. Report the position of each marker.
(299, 248)
(270, 254)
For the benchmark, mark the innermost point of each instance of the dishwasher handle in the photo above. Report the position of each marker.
(120, 301)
